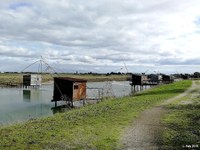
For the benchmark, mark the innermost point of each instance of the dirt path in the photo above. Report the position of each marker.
(145, 132)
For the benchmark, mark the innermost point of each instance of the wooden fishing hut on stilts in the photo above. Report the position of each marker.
(32, 81)
(166, 79)
(140, 81)
(69, 90)
(137, 81)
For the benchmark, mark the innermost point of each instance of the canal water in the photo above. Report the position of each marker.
(17, 104)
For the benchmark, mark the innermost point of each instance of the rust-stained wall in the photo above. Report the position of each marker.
(69, 89)
(79, 91)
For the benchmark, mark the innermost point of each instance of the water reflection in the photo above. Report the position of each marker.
(26, 95)
(17, 104)
(22, 104)
(31, 95)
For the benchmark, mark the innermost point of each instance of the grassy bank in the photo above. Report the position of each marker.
(92, 127)
(183, 123)
(17, 79)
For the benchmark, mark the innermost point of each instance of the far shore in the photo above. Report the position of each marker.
(16, 80)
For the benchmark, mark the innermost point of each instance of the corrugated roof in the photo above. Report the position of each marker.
(71, 79)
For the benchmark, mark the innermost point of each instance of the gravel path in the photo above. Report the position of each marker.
(145, 131)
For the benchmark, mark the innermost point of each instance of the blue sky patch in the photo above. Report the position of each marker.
(16, 6)
(197, 21)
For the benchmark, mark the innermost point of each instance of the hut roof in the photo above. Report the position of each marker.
(71, 79)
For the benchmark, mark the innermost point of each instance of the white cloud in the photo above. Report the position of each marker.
(96, 34)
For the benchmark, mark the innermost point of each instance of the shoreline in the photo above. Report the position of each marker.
(19, 85)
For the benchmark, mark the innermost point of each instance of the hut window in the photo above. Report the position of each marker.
(75, 86)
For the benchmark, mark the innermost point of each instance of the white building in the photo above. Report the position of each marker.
(34, 80)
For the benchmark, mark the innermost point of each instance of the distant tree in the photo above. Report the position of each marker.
(90, 73)
(185, 76)
(196, 75)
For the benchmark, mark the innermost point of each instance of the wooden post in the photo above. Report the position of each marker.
(98, 95)
(83, 102)
(72, 104)
(131, 89)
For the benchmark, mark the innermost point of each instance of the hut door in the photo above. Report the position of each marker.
(76, 92)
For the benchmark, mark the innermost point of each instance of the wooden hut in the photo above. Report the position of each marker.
(139, 79)
(166, 78)
(69, 89)
(32, 80)
(155, 78)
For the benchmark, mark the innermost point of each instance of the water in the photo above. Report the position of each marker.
(18, 105)
(111, 88)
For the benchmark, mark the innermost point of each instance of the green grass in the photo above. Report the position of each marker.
(183, 124)
(98, 78)
(8, 78)
(96, 126)
(14, 78)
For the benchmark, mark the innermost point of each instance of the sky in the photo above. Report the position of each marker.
(101, 35)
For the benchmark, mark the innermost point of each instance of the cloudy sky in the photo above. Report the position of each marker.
(101, 35)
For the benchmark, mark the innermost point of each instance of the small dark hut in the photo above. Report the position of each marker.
(166, 78)
(139, 79)
(185, 76)
(69, 89)
(155, 78)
